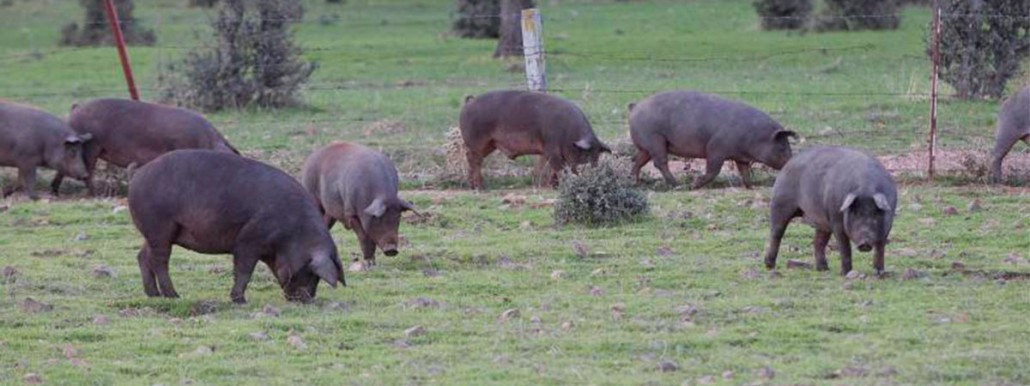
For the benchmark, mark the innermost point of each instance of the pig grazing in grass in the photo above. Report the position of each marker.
(357, 186)
(219, 203)
(1013, 125)
(127, 132)
(841, 192)
(695, 125)
(524, 122)
(31, 138)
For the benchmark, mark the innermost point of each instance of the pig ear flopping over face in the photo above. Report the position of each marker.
(80, 138)
(583, 144)
(376, 208)
(327, 269)
(881, 202)
(408, 206)
(784, 134)
(848, 201)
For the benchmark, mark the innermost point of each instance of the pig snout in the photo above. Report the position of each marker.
(865, 247)
(390, 249)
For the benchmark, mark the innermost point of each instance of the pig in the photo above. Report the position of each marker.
(129, 134)
(524, 122)
(357, 186)
(841, 192)
(1013, 125)
(218, 203)
(691, 124)
(31, 138)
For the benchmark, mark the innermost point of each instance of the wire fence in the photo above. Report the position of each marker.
(777, 78)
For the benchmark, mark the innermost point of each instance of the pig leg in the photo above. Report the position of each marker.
(27, 174)
(780, 215)
(822, 238)
(712, 168)
(55, 185)
(639, 160)
(149, 280)
(475, 160)
(556, 163)
(745, 173)
(660, 158)
(159, 263)
(878, 259)
(844, 243)
(329, 221)
(243, 263)
(1002, 146)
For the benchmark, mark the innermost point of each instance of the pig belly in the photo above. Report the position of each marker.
(817, 222)
(206, 238)
(515, 145)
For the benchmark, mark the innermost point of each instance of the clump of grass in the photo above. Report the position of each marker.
(599, 196)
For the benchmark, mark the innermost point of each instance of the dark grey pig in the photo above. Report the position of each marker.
(524, 122)
(30, 138)
(1013, 125)
(357, 186)
(839, 191)
(695, 125)
(127, 132)
(218, 203)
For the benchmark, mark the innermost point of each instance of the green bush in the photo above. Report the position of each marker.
(598, 196)
(783, 14)
(982, 44)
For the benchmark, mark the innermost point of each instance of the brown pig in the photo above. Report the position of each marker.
(357, 186)
(1013, 125)
(31, 138)
(695, 125)
(524, 122)
(219, 203)
(127, 132)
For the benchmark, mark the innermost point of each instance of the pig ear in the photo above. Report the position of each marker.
(881, 202)
(327, 269)
(376, 208)
(850, 199)
(784, 134)
(86, 137)
(583, 144)
(630, 106)
(73, 139)
(469, 98)
(407, 206)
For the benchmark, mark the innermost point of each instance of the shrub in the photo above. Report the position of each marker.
(854, 15)
(598, 196)
(478, 19)
(202, 3)
(254, 61)
(783, 14)
(982, 44)
(95, 30)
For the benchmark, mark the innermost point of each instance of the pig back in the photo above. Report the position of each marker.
(212, 195)
(138, 132)
(690, 119)
(347, 177)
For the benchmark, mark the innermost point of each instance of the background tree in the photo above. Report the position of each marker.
(854, 15)
(95, 30)
(981, 45)
(783, 14)
(478, 19)
(510, 42)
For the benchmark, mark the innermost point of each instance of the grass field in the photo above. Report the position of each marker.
(682, 291)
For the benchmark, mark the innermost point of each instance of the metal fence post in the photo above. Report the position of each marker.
(119, 41)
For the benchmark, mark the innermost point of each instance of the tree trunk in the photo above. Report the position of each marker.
(510, 43)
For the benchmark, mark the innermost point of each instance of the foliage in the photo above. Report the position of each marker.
(982, 44)
(598, 196)
(202, 3)
(783, 14)
(95, 30)
(478, 19)
(854, 15)
(254, 61)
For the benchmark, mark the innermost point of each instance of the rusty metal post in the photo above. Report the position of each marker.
(933, 87)
(119, 41)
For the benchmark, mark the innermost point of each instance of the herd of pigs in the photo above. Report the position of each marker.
(193, 189)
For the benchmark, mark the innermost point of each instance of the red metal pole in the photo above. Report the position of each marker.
(933, 85)
(119, 41)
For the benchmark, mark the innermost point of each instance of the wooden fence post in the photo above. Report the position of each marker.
(533, 50)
